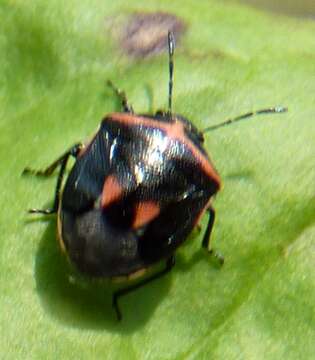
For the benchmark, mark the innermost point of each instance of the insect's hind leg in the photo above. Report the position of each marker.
(169, 265)
(122, 97)
(206, 237)
(62, 162)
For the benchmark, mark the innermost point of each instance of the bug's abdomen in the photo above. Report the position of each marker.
(96, 247)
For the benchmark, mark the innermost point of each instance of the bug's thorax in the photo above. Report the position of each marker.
(175, 128)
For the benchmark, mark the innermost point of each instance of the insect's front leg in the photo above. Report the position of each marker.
(127, 107)
(62, 162)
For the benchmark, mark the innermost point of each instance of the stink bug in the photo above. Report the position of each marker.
(135, 192)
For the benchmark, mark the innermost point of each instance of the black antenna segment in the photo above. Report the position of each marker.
(272, 110)
(171, 47)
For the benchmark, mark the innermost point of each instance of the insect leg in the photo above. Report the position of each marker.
(62, 162)
(169, 264)
(206, 237)
(122, 96)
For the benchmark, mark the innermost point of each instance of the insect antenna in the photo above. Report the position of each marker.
(171, 47)
(272, 110)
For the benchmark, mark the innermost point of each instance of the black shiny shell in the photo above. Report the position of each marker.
(135, 193)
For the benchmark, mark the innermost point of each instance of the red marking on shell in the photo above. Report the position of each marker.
(112, 191)
(175, 131)
(145, 212)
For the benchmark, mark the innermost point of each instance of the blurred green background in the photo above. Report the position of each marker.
(230, 58)
(304, 8)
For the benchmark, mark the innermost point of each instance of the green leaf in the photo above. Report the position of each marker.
(55, 58)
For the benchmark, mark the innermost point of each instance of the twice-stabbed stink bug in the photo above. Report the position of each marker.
(135, 192)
